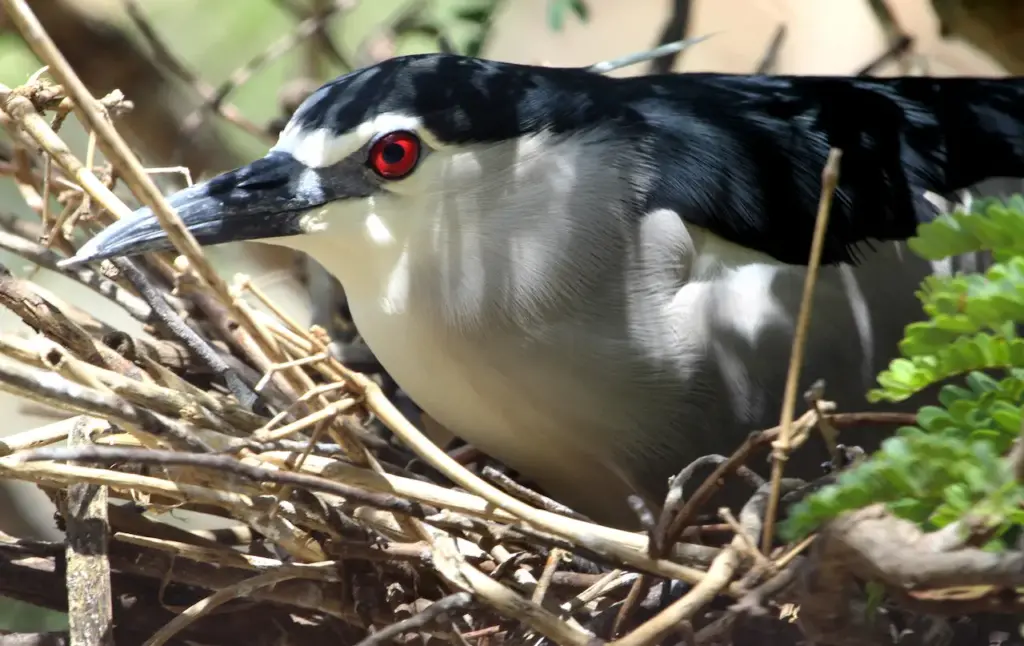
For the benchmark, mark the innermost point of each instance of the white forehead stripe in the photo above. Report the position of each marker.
(321, 148)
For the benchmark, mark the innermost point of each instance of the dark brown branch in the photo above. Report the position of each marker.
(422, 619)
(897, 49)
(770, 57)
(675, 29)
(528, 495)
(757, 441)
(19, 296)
(146, 582)
(166, 59)
(870, 544)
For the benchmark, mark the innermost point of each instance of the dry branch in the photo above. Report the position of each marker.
(873, 545)
(90, 611)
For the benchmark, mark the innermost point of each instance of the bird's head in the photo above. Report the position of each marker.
(397, 142)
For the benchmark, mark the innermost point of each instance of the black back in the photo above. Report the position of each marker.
(739, 155)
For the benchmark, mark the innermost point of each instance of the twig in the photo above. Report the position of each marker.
(753, 601)
(688, 513)
(225, 464)
(659, 535)
(555, 557)
(196, 344)
(780, 449)
(748, 543)
(23, 298)
(21, 110)
(432, 613)
(636, 594)
(191, 404)
(37, 437)
(528, 495)
(658, 627)
(718, 577)
(895, 34)
(322, 45)
(675, 29)
(326, 571)
(43, 257)
(302, 30)
(770, 57)
(240, 590)
(896, 50)
(52, 389)
(90, 612)
(269, 434)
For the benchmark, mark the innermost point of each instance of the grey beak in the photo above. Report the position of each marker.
(265, 199)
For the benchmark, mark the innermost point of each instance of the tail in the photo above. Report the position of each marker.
(900, 137)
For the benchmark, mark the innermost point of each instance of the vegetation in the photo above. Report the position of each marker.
(950, 467)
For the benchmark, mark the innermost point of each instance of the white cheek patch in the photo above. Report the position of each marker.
(321, 148)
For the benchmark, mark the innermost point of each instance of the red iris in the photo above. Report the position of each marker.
(394, 155)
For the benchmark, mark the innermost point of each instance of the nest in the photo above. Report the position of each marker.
(357, 529)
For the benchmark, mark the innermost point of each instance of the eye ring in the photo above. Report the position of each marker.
(394, 155)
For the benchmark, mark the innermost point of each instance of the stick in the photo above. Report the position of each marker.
(90, 609)
(780, 452)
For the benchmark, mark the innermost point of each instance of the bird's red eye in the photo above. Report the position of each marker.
(394, 155)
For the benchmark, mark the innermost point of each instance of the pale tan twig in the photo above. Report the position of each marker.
(117, 152)
(747, 542)
(38, 437)
(658, 627)
(781, 448)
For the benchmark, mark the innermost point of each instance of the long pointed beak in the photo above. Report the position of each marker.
(265, 199)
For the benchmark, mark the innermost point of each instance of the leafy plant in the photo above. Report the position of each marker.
(950, 465)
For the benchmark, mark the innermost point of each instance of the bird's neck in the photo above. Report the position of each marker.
(361, 249)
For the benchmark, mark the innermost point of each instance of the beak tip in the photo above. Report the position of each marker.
(72, 262)
(88, 251)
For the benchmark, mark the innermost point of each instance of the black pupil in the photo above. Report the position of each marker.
(393, 153)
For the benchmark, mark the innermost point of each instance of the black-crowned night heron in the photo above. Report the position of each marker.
(595, 279)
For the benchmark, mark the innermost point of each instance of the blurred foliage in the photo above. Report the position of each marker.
(557, 10)
(952, 465)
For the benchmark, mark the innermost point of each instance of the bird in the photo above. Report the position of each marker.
(596, 280)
